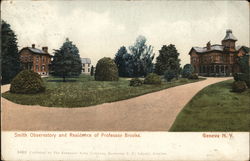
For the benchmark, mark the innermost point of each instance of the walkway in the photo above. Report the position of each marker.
(151, 112)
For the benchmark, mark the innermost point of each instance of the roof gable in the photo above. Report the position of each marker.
(86, 60)
(35, 51)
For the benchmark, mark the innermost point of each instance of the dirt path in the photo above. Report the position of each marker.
(151, 112)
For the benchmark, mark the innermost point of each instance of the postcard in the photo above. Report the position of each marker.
(125, 80)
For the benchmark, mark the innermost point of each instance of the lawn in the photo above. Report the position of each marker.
(215, 108)
(84, 91)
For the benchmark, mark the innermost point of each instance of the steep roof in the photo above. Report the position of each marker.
(212, 48)
(86, 61)
(35, 51)
(229, 35)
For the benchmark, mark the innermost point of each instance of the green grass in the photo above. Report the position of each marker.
(215, 108)
(84, 91)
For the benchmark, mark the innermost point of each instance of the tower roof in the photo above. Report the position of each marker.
(229, 35)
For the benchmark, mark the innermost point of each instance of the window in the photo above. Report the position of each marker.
(88, 65)
(88, 70)
(37, 59)
(43, 60)
(43, 67)
(37, 68)
(30, 58)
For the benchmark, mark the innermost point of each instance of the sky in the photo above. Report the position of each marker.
(100, 28)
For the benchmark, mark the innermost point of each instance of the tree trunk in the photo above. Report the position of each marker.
(64, 80)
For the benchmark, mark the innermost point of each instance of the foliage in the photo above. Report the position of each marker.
(245, 68)
(193, 76)
(152, 78)
(187, 71)
(239, 86)
(92, 71)
(120, 61)
(244, 64)
(106, 70)
(10, 63)
(135, 82)
(215, 108)
(168, 60)
(27, 82)
(169, 75)
(139, 62)
(66, 62)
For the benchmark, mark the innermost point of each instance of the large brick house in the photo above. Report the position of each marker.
(35, 59)
(218, 60)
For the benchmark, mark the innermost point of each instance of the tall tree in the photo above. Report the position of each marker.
(10, 63)
(142, 57)
(120, 61)
(67, 62)
(167, 60)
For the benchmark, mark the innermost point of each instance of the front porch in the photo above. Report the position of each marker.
(216, 70)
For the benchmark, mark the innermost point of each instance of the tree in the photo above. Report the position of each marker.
(10, 63)
(141, 61)
(167, 60)
(67, 62)
(92, 71)
(187, 71)
(120, 61)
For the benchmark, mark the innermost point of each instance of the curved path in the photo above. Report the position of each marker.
(151, 112)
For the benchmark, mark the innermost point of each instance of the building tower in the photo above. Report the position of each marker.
(229, 41)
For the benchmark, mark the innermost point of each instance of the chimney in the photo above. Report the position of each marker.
(208, 45)
(33, 45)
(45, 49)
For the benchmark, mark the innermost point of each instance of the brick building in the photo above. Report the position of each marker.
(218, 60)
(35, 59)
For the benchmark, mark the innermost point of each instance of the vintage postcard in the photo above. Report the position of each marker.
(125, 80)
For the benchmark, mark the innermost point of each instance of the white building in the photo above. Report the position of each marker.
(86, 65)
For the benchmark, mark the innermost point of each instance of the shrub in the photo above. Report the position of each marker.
(152, 78)
(242, 77)
(106, 70)
(135, 82)
(27, 82)
(169, 75)
(239, 86)
(187, 71)
(193, 76)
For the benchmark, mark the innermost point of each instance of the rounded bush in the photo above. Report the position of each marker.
(193, 76)
(106, 70)
(169, 75)
(152, 78)
(187, 71)
(135, 82)
(27, 82)
(239, 86)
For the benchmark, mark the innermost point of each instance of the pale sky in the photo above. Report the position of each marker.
(100, 28)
